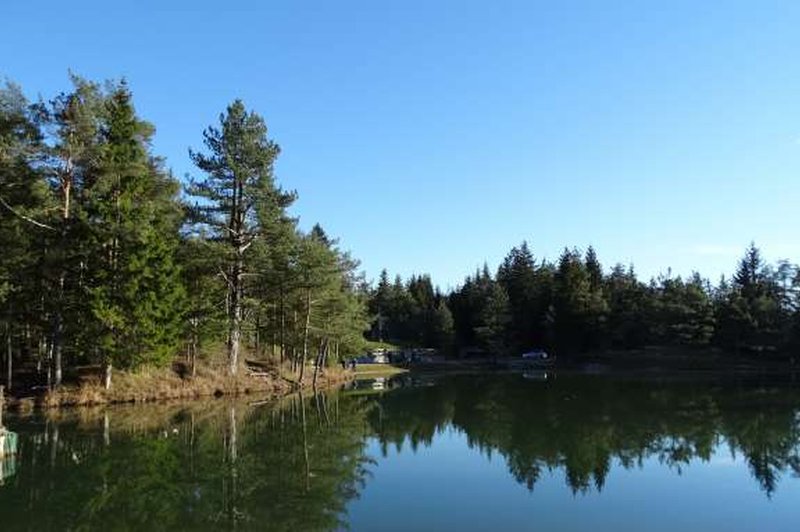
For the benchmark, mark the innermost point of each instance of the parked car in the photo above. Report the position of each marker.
(536, 354)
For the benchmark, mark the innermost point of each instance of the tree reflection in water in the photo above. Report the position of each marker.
(298, 463)
(583, 424)
(219, 465)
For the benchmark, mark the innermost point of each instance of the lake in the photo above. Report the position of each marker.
(541, 451)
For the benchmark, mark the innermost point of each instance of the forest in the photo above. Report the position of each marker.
(575, 306)
(109, 260)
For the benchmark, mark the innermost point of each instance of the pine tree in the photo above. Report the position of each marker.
(238, 184)
(76, 118)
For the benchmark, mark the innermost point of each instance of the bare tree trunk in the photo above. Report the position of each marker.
(58, 336)
(50, 349)
(194, 354)
(282, 329)
(107, 376)
(258, 334)
(236, 318)
(58, 328)
(9, 357)
(305, 335)
(294, 341)
(318, 363)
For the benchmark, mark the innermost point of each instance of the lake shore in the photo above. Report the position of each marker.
(164, 384)
(655, 359)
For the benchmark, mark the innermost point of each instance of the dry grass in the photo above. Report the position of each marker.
(368, 371)
(160, 384)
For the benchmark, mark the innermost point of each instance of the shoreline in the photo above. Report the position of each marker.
(164, 385)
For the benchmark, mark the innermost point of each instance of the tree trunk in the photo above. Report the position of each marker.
(294, 341)
(236, 318)
(258, 334)
(57, 351)
(66, 179)
(9, 357)
(107, 376)
(50, 349)
(282, 330)
(318, 363)
(193, 348)
(305, 336)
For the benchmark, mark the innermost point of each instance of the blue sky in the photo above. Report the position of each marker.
(433, 136)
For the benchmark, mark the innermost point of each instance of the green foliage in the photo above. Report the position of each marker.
(412, 313)
(102, 261)
(574, 307)
(134, 284)
(107, 264)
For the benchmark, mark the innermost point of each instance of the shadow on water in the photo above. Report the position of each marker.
(297, 464)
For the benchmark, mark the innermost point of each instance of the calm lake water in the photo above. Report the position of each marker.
(492, 452)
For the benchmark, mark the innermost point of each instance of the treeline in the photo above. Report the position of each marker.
(106, 258)
(411, 313)
(574, 305)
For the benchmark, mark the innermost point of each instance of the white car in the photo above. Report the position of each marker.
(536, 354)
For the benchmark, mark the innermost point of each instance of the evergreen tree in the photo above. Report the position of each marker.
(379, 306)
(629, 308)
(24, 201)
(518, 277)
(239, 182)
(134, 284)
(750, 315)
(570, 314)
(74, 149)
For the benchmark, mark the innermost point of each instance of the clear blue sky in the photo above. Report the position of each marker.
(433, 136)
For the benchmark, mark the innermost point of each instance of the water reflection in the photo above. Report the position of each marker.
(584, 425)
(293, 465)
(299, 464)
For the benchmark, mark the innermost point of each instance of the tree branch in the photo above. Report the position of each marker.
(26, 218)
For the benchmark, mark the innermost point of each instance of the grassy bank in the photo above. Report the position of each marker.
(161, 384)
(371, 371)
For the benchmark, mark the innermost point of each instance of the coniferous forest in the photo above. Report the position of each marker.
(575, 306)
(109, 260)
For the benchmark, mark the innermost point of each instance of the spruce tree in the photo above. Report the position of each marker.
(135, 289)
